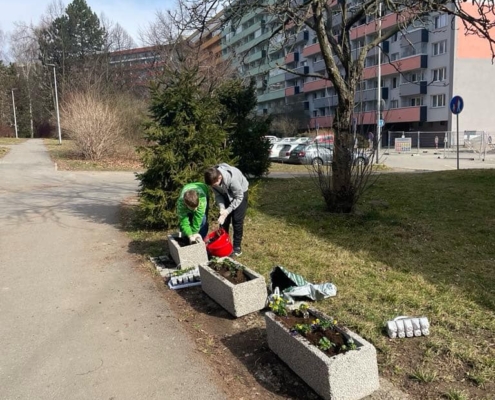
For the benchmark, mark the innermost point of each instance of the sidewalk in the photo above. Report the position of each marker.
(78, 318)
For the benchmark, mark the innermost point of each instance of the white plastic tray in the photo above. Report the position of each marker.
(183, 285)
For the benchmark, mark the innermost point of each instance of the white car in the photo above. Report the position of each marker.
(280, 151)
(271, 139)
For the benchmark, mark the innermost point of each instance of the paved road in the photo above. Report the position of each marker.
(77, 319)
(429, 160)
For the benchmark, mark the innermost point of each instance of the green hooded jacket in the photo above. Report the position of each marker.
(188, 225)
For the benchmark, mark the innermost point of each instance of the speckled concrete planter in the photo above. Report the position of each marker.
(187, 256)
(238, 300)
(349, 376)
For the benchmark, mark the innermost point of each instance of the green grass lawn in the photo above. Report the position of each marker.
(429, 251)
(418, 245)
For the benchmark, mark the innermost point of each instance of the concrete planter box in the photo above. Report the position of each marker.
(238, 300)
(349, 376)
(187, 256)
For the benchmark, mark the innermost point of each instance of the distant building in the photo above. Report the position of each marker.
(420, 73)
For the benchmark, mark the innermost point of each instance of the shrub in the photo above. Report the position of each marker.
(92, 121)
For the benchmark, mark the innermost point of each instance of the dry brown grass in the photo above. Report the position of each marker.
(68, 157)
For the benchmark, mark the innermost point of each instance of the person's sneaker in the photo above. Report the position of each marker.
(237, 252)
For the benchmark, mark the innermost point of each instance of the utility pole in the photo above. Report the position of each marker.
(56, 101)
(15, 117)
(379, 94)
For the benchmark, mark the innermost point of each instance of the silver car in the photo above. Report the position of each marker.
(311, 154)
(322, 154)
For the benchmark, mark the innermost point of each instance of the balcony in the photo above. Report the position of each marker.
(292, 57)
(312, 49)
(295, 99)
(322, 102)
(319, 66)
(272, 95)
(419, 36)
(395, 115)
(276, 78)
(214, 40)
(374, 51)
(387, 22)
(302, 36)
(413, 88)
(316, 85)
(404, 64)
(293, 90)
(301, 70)
(255, 56)
(370, 94)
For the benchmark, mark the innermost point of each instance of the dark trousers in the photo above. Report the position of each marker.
(237, 218)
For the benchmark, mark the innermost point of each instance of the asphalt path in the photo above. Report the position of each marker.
(78, 320)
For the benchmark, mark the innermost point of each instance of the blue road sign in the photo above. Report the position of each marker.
(381, 122)
(456, 104)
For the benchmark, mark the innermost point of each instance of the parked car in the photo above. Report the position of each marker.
(280, 151)
(271, 139)
(322, 154)
(323, 139)
(311, 154)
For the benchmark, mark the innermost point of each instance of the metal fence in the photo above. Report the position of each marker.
(476, 142)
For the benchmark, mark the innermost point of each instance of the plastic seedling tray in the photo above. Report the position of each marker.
(183, 285)
(185, 280)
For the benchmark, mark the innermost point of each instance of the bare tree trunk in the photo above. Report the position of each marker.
(342, 198)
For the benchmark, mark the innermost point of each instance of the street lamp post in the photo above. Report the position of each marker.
(15, 117)
(56, 102)
(379, 93)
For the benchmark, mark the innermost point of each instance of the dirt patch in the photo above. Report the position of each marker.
(236, 348)
(230, 270)
(316, 333)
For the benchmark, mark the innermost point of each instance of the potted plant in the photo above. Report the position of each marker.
(336, 362)
(235, 287)
(185, 254)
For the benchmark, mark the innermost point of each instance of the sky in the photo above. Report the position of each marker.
(130, 14)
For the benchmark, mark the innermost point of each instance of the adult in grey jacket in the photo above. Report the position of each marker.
(231, 194)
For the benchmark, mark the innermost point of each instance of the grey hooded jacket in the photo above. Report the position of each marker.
(233, 186)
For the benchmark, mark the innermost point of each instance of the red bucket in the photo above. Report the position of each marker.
(218, 243)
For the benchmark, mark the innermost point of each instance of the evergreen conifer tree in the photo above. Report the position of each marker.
(247, 131)
(186, 136)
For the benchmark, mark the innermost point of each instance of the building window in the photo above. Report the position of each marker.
(438, 100)
(394, 82)
(440, 48)
(394, 37)
(394, 57)
(440, 74)
(415, 76)
(394, 103)
(416, 101)
(440, 21)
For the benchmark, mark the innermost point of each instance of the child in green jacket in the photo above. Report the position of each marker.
(192, 210)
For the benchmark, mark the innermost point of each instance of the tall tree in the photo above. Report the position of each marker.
(331, 22)
(71, 38)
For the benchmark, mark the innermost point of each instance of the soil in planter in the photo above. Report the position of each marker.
(316, 334)
(222, 268)
(182, 241)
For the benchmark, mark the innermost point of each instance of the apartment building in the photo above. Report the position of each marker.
(421, 70)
